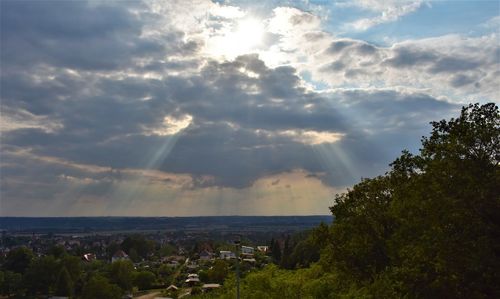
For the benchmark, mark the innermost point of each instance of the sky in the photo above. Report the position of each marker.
(185, 108)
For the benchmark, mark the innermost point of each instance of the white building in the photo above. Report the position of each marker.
(225, 255)
(247, 250)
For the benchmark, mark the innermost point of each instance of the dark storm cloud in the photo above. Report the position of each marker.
(225, 139)
(81, 35)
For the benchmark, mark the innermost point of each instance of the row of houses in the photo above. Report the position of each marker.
(247, 252)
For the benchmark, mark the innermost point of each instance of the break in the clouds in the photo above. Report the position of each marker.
(201, 108)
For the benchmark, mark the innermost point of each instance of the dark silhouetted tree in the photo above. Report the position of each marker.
(64, 284)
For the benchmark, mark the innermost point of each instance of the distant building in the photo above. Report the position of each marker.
(120, 255)
(172, 287)
(205, 255)
(210, 286)
(225, 255)
(247, 250)
(192, 279)
(251, 260)
(263, 249)
(89, 257)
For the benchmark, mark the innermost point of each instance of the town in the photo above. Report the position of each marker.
(159, 264)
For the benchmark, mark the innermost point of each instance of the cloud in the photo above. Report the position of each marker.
(224, 123)
(387, 11)
(119, 108)
(450, 65)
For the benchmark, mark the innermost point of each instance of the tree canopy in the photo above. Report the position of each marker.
(429, 227)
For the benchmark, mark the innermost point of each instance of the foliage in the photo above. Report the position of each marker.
(41, 276)
(11, 283)
(18, 260)
(138, 247)
(305, 252)
(218, 272)
(144, 280)
(429, 227)
(99, 288)
(64, 285)
(120, 273)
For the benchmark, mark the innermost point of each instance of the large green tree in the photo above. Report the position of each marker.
(64, 284)
(144, 280)
(18, 259)
(430, 227)
(121, 273)
(41, 276)
(99, 287)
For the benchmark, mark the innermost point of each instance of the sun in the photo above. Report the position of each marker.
(249, 34)
(244, 37)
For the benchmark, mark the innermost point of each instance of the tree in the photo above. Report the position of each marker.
(276, 251)
(218, 272)
(305, 252)
(142, 246)
(18, 259)
(12, 283)
(57, 251)
(64, 284)
(41, 276)
(144, 280)
(99, 287)
(73, 266)
(120, 273)
(430, 227)
(287, 251)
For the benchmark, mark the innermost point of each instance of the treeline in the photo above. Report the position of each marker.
(60, 273)
(428, 228)
(295, 251)
(27, 276)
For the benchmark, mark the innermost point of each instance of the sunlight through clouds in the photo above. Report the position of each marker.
(242, 37)
(184, 107)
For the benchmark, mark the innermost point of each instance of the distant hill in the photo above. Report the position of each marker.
(205, 223)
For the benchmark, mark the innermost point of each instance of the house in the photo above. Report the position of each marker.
(210, 286)
(192, 279)
(263, 249)
(247, 250)
(225, 255)
(172, 288)
(205, 255)
(89, 257)
(120, 255)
